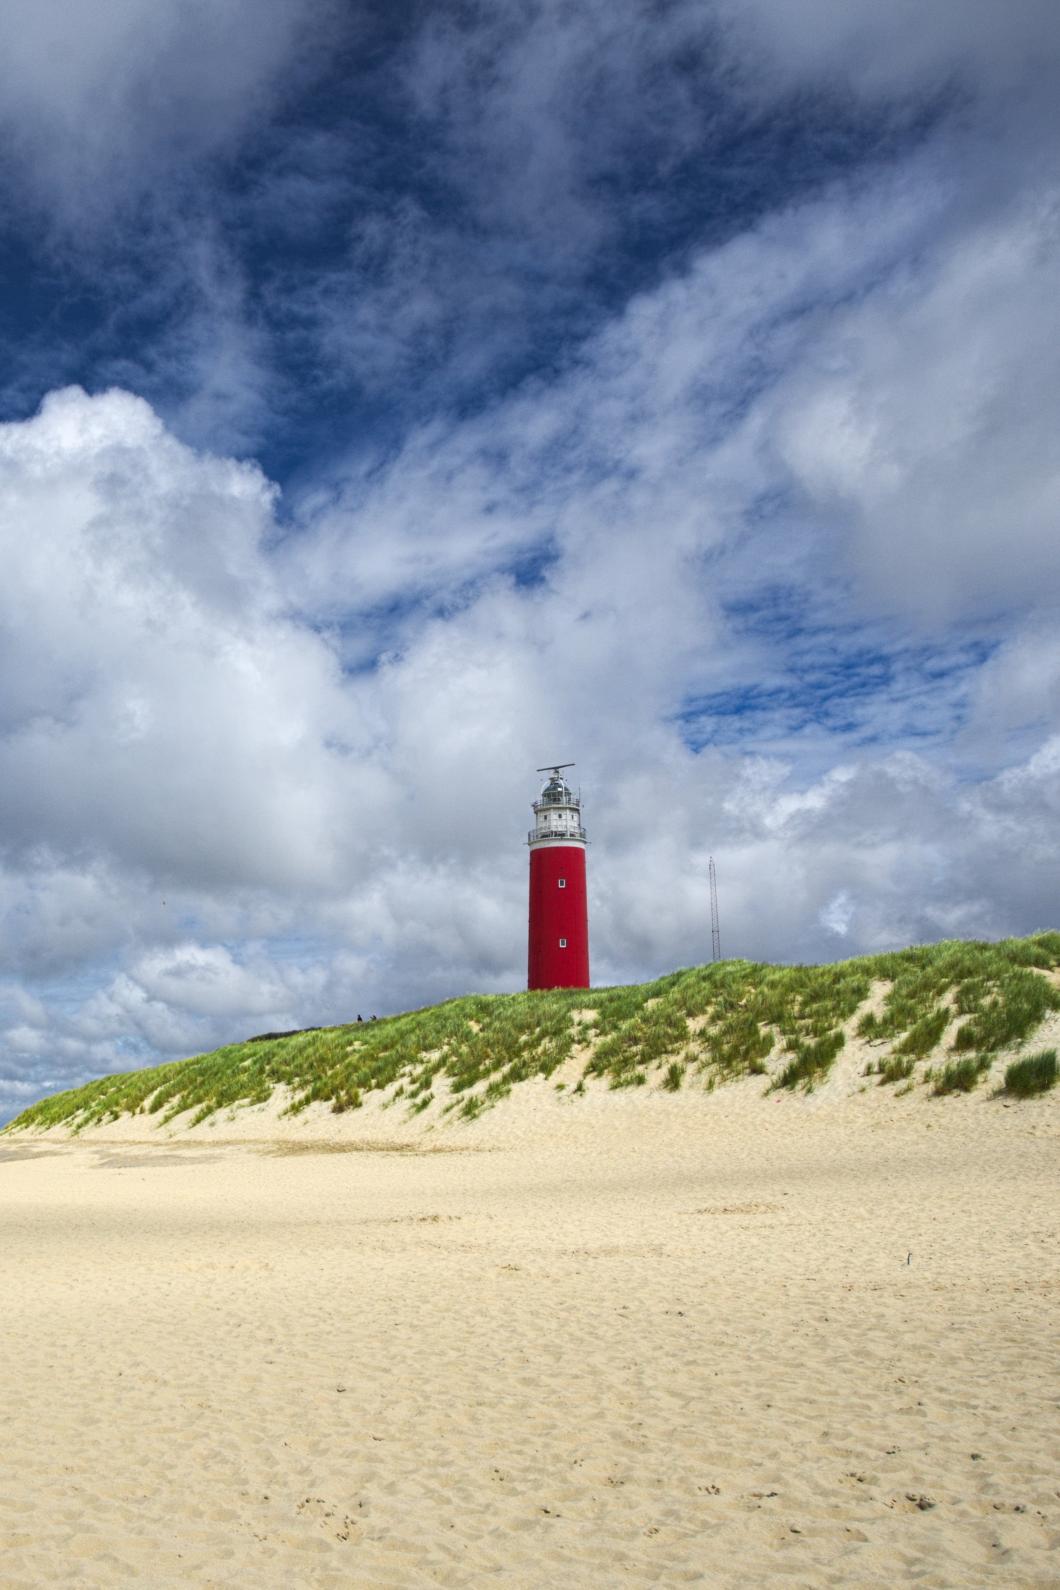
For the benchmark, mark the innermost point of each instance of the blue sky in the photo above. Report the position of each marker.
(392, 398)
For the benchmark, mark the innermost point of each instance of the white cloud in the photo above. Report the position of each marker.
(99, 104)
(900, 48)
(159, 707)
(562, 95)
(1016, 696)
(923, 421)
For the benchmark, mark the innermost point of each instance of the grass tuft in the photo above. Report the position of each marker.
(812, 1062)
(1035, 1074)
(960, 1076)
(896, 1069)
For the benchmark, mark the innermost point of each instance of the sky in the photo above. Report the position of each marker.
(397, 397)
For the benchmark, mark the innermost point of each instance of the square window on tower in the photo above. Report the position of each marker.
(563, 944)
(562, 883)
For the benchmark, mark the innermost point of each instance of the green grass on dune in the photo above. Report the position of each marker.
(960, 1076)
(1035, 1074)
(711, 1023)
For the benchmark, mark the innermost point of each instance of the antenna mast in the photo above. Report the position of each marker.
(715, 930)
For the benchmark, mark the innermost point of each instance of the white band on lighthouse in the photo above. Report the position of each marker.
(557, 814)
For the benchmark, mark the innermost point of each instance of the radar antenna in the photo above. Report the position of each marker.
(558, 768)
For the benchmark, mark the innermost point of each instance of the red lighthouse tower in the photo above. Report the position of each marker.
(559, 914)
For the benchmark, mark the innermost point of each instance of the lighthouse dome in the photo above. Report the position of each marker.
(557, 792)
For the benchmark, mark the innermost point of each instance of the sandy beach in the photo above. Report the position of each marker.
(652, 1340)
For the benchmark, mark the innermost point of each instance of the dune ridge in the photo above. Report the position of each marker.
(952, 1018)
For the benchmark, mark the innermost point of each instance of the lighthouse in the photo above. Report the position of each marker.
(559, 914)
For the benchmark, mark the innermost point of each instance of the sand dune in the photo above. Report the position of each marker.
(638, 1339)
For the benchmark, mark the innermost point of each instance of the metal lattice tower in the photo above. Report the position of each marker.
(715, 930)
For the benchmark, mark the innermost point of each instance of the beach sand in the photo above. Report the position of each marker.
(623, 1340)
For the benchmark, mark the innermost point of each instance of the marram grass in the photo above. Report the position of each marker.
(705, 1026)
(1036, 1074)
